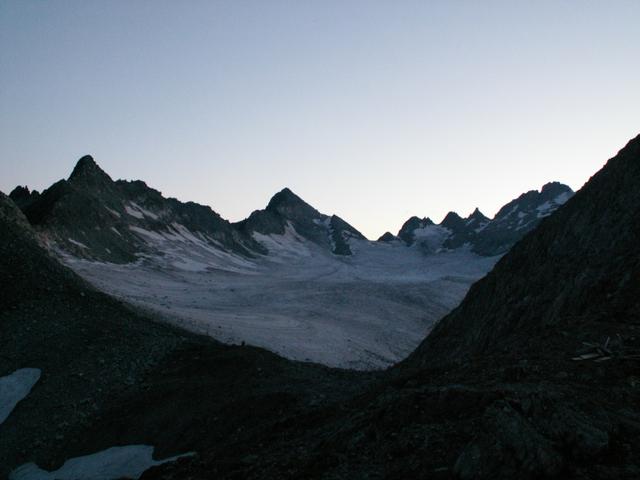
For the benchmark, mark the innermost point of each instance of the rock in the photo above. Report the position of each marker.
(509, 447)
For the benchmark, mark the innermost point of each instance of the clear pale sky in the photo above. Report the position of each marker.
(373, 110)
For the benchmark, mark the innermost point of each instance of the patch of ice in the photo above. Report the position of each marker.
(14, 388)
(147, 233)
(563, 198)
(289, 244)
(111, 464)
(145, 212)
(113, 212)
(545, 209)
(134, 213)
(431, 236)
(75, 242)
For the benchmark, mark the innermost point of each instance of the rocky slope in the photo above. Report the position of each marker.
(114, 376)
(535, 375)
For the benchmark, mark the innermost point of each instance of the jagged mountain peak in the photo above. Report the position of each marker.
(387, 237)
(290, 207)
(20, 192)
(478, 215)
(452, 220)
(285, 195)
(555, 188)
(87, 169)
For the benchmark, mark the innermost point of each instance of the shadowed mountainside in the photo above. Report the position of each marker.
(534, 376)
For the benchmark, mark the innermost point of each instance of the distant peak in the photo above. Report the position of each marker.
(387, 237)
(555, 188)
(20, 192)
(451, 217)
(87, 168)
(285, 198)
(478, 215)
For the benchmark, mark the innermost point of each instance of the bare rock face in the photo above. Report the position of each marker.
(22, 196)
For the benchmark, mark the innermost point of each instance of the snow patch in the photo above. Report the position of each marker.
(289, 244)
(79, 244)
(113, 212)
(145, 212)
(563, 198)
(111, 464)
(133, 213)
(14, 388)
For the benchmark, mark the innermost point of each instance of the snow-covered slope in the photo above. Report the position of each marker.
(367, 310)
(288, 278)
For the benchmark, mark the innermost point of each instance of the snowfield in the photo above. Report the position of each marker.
(364, 311)
(111, 464)
(16, 387)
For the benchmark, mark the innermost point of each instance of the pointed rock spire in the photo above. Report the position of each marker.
(88, 171)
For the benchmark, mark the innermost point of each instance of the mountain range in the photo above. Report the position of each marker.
(303, 284)
(91, 216)
(533, 375)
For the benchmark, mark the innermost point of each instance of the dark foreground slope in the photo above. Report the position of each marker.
(535, 375)
(112, 376)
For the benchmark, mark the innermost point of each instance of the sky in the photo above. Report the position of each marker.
(372, 110)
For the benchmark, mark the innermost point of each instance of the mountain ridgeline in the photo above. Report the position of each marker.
(581, 265)
(485, 236)
(91, 216)
(533, 376)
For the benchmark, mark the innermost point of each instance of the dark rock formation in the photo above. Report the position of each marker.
(287, 209)
(91, 216)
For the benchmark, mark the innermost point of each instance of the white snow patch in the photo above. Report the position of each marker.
(75, 242)
(545, 209)
(145, 212)
(133, 212)
(113, 212)
(288, 245)
(14, 388)
(111, 464)
(182, 249)
(147, 233)
(431, 236)
(563, 198)
(115, 230)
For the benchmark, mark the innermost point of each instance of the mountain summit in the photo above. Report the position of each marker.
(287, 210)
(88, 172)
